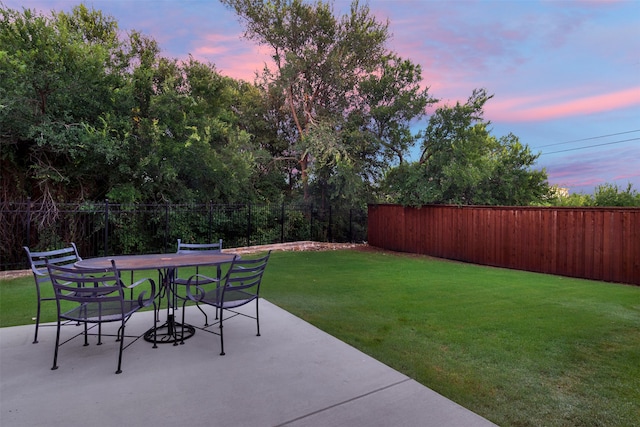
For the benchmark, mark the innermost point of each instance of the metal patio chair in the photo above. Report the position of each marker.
(38, 261)
(239, 286)
(97, 296)
(187, 248)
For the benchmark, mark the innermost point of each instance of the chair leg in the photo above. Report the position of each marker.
(257, 317)
(221, 333)
(219, 276)
(155, 327)
(55, 353)
(182, 324)
(86, 335)
(35, 337)
(206, 319)
(120, 333)
(99, 333)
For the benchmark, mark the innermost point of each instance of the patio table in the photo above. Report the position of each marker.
(166, 264)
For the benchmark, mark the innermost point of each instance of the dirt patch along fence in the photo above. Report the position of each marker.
(590, 243)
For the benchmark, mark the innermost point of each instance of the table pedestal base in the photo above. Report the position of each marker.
(170, 332)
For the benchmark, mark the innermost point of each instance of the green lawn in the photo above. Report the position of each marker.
(521, 349)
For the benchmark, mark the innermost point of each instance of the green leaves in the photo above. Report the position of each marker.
(85, 114)
(607, 194)
(56, 84)
(462, 163)
(319, 61)
(391, 100)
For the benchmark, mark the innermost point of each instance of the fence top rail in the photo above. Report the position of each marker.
(510, 208)
(93, 204)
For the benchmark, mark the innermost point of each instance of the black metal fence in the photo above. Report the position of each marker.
(102, 229)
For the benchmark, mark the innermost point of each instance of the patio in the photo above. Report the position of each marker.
(294, 375)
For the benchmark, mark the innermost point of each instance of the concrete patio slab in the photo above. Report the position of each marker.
(292, 375)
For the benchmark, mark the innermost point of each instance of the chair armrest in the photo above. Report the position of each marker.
(43, 272)
(197, 280)
(141, 297)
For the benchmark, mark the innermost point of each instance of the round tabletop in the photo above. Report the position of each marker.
(157, 261)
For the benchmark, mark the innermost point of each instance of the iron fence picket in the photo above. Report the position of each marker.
(105, 228)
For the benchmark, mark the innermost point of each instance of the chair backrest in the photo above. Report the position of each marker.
(100, 286)
(245, 275)
(62, 257)
(186, 248)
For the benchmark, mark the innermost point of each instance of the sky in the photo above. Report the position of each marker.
(565, 75)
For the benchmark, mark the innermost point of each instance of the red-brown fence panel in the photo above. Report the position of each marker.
(590, 243)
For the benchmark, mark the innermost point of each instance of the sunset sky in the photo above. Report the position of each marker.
(565, 74)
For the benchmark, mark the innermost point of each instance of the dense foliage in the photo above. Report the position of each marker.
(605, 195)
(462, 163)
(88, 112)
(346, 101)
(86, 116)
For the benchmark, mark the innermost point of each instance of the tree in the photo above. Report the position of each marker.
(606, 194)
(48, 65)
(611, 195)
(319, 61)
(185, 137)
(391, 100)
(85, 115)
(462, 163)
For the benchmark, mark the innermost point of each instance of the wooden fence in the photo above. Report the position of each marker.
(590, 243)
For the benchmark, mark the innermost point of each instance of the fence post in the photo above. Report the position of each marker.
(351, 239)
(28, 244)
(311, 222)
(166, 225)
(106, 227)
(330, 233)
(249, 224)
(210, 228)
(282, 223)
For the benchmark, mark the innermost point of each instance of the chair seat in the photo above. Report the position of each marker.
(102, 312)
(232, 299)
(183, 281)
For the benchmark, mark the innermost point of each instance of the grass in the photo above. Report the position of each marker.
(521, 349)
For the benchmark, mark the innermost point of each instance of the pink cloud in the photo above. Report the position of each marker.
(630, 176)
(232, 61)
(597, 3)
(584, 172)
(546, 107)
(210, 50)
